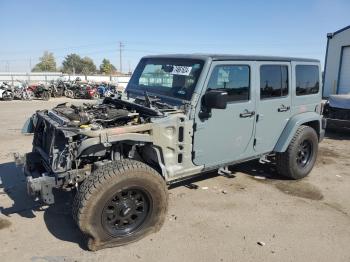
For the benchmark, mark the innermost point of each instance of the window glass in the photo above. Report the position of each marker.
(307, 79)
(234, 79)
(273, 81)
(166, 76)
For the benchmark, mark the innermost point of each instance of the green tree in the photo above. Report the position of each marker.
(88, 66)
(74, 64)
(47, 63)
(106, 67)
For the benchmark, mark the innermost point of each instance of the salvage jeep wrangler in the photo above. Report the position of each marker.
(180, 116)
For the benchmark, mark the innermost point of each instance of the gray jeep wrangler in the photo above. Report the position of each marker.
(180, 116)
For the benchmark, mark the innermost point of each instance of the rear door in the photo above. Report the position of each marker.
(227, 135)
(273, 103)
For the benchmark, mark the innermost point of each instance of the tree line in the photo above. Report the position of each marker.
(73, 64)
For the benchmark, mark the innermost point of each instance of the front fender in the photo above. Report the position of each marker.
(107, 141)
(293, 124)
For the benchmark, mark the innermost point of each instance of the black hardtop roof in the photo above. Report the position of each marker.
(227, 57)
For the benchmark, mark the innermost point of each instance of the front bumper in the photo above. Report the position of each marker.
(338, 123)
(39, 184)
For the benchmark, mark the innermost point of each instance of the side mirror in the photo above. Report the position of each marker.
(215, 99)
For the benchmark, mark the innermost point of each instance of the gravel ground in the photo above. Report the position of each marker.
(225, 219)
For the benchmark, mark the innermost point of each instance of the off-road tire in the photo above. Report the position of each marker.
(286, 162)
(104, 183)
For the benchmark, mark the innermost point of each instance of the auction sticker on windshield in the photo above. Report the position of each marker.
(181, 70)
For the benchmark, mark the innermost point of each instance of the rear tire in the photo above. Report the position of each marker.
(119, 203)
(300, 157)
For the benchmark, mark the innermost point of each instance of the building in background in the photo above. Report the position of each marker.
(337, 63)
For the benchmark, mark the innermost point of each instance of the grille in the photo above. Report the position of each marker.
(44, 135)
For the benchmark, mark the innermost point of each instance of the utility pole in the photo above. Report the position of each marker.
(121, 45)
(30, 64)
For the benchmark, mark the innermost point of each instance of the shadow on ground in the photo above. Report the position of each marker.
(57, 217)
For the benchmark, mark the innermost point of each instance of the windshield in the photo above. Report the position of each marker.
(171, 77)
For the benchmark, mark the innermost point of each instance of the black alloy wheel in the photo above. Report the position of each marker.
(304, 153)
(126, 211)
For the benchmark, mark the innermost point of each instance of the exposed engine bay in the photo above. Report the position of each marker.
(98, 116)
(70, 137)
(111, 113)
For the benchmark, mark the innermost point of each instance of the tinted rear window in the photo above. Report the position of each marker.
(273, 81)
(307, 79)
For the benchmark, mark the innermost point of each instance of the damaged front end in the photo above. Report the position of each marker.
(71, 141)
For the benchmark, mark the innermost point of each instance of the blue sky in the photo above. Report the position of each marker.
(94, 28)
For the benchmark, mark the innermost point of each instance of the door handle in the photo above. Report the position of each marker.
(283, 108)
(246, 113)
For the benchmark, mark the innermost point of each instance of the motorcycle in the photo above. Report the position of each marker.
(105, 90)
(6, 92)
(41, 91)
(58, 88)
(85, 92)
(22, 92)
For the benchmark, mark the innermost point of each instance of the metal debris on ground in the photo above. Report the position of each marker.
(224, 191)
(260, 177)
(260, 243)
(338, 175)
(205, 187)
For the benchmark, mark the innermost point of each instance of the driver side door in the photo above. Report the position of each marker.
(227, 134)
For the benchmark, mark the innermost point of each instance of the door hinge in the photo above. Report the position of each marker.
(257, 117)
(194, 127)
(254, 143)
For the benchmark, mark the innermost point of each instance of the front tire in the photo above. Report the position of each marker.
(300, 156)
(119, 203)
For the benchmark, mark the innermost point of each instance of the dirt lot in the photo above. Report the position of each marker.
(222, 220)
